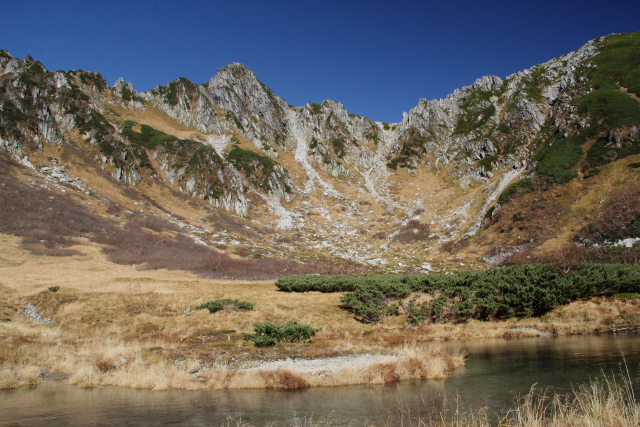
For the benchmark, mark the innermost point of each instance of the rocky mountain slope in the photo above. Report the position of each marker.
(504, 166)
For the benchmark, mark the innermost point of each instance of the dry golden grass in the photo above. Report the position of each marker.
(119, 325)
(603, 402)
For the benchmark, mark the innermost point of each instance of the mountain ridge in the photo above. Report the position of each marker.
(377, 193)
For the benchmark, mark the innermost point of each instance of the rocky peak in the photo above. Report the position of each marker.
(120, 84)
(236, 88)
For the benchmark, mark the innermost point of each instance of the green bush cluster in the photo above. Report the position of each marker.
(269, 333)
(619, 60)
(338, 147)
(602, 152)
(338, 282)
(472, 120)
(413, 146)
(611, 107)
(148, 137)
(513, 189)
(316, 108)
(558, 157)
(257, 168)
(511, 291)
(218, 304)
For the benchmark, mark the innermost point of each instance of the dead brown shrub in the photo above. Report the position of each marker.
(283, 379)
(453, 246)
(388, 372)
(105, 365)
(413, 231)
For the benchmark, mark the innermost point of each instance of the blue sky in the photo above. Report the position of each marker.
(377, 58)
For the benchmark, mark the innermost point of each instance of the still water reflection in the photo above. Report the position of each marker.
(496, 371)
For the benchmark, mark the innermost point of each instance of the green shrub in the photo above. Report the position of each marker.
(499, 293)
(338, 147)
(269, 333)
(472, 120)
(413, 146)
(54, 288)
(487, 162)
(257, 168)
(618, 59)
(217, 305)
(315, 108)
(612, 107)
(558, 157)
(602, 152)
(523, 185)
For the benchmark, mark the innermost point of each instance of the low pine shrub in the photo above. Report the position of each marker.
(269, 333)
(217, 305)
(499, 293)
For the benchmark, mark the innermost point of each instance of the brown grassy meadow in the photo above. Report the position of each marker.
(122, 325)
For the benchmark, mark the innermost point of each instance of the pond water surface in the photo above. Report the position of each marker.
(495, 373)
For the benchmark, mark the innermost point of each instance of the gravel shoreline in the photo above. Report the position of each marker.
(322, 366)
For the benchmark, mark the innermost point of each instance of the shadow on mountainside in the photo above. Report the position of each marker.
(51, 223)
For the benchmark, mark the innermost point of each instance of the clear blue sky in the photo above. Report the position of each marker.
(377, 58)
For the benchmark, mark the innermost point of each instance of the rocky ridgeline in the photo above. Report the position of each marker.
(492, 123)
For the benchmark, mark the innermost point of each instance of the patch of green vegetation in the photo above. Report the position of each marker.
(603, 152)
(616, 65)
(94, 79)
(393, 163)
(471, 120)
(534, 82)
(316, 108)
(148, 137)
(5, 54)
(503, 128)
(218, 304)
(96, 122)
(523, 185)
(386, 126)
(487, 162)
(125, 92)
(626, 296)
(558, 157)
(413, 146)
(618, 61)
(338, 147)
(314, 143)
(229, 115)
(54, 288)
(11, 115)
(611, 107)
(270, 333)
(256, 168)
(499, 293)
